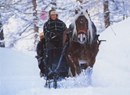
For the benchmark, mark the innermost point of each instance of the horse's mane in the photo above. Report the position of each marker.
(90, 29)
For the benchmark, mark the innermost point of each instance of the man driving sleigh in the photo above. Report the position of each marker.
(52, 46)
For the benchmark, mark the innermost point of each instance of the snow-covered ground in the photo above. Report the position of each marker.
(19, 73)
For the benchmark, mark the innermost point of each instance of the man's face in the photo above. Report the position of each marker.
(53, 16)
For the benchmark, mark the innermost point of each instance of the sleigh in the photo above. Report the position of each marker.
(82, 44)
(55, 63)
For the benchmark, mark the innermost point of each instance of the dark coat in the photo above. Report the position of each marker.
(54, 26)
(54, 29)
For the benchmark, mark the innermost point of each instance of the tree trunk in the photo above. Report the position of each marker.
(54, 4)
(2, 43)
(35, 20)
(106, 13)
(124, 11)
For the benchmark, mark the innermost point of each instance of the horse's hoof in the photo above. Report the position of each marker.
(89, 71)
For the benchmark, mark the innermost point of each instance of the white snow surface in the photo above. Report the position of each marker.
(19, 73)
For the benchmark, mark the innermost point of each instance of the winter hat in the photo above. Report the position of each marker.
(51, 12)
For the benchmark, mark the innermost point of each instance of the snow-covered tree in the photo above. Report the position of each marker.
(35, 19)
(119, 10)
(23, 19)
(18, 13)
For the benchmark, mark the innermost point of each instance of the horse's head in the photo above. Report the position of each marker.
(82, 32)
(82, 28)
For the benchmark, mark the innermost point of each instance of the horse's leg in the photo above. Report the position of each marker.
(77, 66)
(71, 65)
(92, 63)
(94, 52)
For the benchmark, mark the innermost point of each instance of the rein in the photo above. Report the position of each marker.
(81, 32)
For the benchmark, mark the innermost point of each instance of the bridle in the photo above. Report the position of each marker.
(82, 32)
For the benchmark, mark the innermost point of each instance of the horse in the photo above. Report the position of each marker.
(83, 43)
